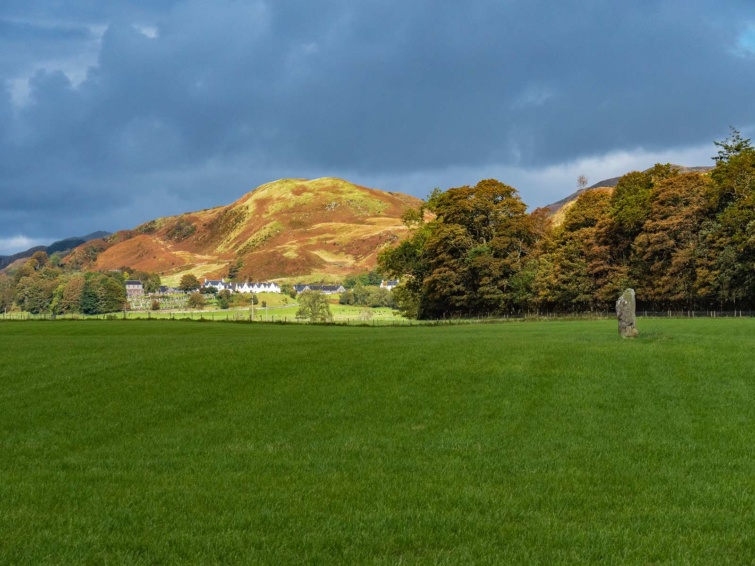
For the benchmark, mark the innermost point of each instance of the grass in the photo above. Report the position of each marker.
(274, 313)
(281, 308)
(540, 443)
(339, 190)
(200, 271)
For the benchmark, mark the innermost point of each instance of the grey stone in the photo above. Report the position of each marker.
(625, 311)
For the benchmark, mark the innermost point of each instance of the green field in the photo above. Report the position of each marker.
(279, 309)
(160, 442)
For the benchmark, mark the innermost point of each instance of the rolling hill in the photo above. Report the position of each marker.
(316, 229)
(60, 246)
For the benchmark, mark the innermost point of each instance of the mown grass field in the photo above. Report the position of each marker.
(541, 443)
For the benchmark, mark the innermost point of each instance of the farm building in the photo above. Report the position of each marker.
(326, 289)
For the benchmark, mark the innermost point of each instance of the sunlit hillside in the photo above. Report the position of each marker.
(291, 228)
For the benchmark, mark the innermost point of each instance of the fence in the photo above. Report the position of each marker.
(250, 316)
(650, 314)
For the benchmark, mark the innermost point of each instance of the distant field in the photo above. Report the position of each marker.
(149, 442)
(279, 309)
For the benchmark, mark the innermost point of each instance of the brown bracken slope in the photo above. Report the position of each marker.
(285, 230)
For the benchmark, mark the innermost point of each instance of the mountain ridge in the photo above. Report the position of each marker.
(58, 246)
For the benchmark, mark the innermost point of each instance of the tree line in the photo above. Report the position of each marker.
(682, 240)
(45, 285)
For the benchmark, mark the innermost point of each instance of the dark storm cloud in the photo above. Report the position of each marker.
(188, 104)
(22, 44)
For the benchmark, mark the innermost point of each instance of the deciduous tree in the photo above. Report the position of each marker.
(465, 261)
(574, 270)
(34, 292)
(6, 292)
(668, 246)
(188, 283)
(196, 301)
(314, 307)
(72, 292)
(224, 299)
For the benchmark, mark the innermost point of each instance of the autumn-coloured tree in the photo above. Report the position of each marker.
(409, 261)
(466, 260)
(41, 258)
(35, 289)
(70, 301)
(189, 282)
(7, 290)
(630, 208)
(726, 264)
(574, 268)
(197, 301)
(668, 246)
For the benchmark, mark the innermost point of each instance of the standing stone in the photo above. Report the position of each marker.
(625, 307)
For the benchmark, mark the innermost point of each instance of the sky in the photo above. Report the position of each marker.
(114, 113)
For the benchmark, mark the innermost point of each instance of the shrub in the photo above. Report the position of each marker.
(197, 301)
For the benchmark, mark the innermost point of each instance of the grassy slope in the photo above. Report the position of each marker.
(145, 442)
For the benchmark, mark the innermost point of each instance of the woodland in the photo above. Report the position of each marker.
(683, 241)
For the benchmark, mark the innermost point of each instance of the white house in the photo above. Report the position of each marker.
(220, 285)
(390, 284)
(265, 287)
(246, 287)
(241, 287)
(326, 289)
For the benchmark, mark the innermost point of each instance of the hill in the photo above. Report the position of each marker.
(316, 229)
(61, 246)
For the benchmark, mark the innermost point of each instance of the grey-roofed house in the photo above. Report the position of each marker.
(388, 284)
(218, 284)
(326, 289)
(134, 288)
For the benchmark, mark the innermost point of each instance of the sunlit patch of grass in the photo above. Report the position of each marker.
(201, 271)
(344, 260)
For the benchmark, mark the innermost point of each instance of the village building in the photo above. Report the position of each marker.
(326, 289)
(246, 287)
(218, 284)
(134, 288)
(256, 287)
(388, 284)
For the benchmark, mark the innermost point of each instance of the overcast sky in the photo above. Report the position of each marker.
(113, 113)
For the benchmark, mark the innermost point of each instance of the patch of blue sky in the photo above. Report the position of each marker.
(746, 41)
